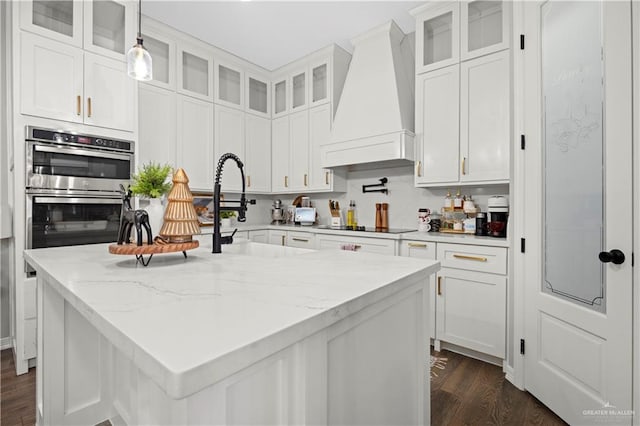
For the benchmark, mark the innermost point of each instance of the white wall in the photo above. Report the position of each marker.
(404, 198)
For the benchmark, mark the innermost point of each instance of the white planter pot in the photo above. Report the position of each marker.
(155, 210)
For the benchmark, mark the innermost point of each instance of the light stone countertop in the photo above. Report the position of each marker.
(414, 236)
(188, 323)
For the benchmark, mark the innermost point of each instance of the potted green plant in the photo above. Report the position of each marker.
(226, 218)
(151, 182)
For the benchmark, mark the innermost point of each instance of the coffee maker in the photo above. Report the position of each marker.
(498, 208)
(277, 212)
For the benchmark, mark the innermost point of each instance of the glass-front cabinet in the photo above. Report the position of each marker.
(299, 90)
(320, 83)
(195, 72)
(280, 99)
(258, 95)
(447, 33)
(106, 27)
(163, 53)
(229, 85)
(485, 27)
(438, 37)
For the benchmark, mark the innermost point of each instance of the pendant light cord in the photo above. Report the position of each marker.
(139, 18)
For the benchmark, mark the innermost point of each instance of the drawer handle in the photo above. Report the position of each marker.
(300, 239)
(439, 286)
(419, 169)
(357, 247)
(464, 160)
(78, 105)
(286, 181)
(282, 243)
(89, 107)
(305, 179)
(248, 181)
(326, 178)
(476, 258)
(418, 245)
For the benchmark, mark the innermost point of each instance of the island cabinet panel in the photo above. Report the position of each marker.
(366, 364)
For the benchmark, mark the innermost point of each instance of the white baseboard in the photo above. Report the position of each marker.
(472, 354)
(508, 373)
(5, 343)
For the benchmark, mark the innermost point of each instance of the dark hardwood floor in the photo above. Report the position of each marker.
(17, 394)
(472, 392)
(466, 392)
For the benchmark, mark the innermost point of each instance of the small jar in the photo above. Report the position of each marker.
(423, 220)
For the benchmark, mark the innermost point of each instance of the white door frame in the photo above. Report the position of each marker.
(519, 205)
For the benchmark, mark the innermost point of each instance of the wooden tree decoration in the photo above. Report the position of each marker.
(180, 218)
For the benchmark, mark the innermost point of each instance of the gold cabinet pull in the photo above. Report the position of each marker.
(283, 240)
(248, 181)
(419, 169)
(305, 179)
(78, 105)
(476, 258)
(464, 160)
(286, 181)
(88, 107)
(417, 245)
(357, 247)
(302, 240)
(326, 178)
(439, 286)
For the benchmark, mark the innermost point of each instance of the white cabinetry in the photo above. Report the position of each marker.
(257, 156)
(362, 244)
(471, 297)
(424, 250)
(463, 93)
(195, 71)
(230, 83)
(448, 32)
(301, 239)
(321, 179)
(195, 141)
(280, 154)
(62, 82)
(162, 48)
(157, 138)
(485, 114)
(259, 236)
(258, 95)
(229, 137)
(106, 27)
(299, 151)
(437, 125)
(278, 238)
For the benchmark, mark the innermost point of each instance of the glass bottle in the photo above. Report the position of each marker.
(458, 202)
(448, 202)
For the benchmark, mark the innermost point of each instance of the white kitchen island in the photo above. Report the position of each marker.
(256, 335)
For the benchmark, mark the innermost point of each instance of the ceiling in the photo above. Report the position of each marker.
(274, 33)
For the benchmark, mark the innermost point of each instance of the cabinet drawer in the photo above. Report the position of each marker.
(301, 239)
(473, 258)
(259, 236)
(418, 249)
(366, 245)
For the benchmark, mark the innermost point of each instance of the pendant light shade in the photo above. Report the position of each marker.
(139, 62)
(138, 58)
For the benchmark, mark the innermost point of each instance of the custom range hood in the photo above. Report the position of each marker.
(374, 121)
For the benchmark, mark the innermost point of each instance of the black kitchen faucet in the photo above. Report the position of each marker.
(218, 239)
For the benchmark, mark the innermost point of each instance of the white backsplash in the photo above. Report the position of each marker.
(404, 198)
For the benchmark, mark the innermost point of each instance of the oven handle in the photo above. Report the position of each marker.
(85, 152)
(75, 200)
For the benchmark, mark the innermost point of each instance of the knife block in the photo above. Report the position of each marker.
(336, 221)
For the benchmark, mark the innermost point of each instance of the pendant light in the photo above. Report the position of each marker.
(138, 59)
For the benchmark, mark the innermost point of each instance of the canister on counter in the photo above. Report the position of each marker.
(424, 220)
(481, 224)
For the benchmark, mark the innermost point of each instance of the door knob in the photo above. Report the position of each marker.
(614, 256)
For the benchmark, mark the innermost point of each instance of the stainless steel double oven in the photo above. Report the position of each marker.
(72, 187)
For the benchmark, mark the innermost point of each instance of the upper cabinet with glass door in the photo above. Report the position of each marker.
(106, 27)
(229, 88)
(320, 83)
(299, 89)
(485, 27)
(195, 71)
(257, 95)
(162, 48)
(280, 96)
(447, 33)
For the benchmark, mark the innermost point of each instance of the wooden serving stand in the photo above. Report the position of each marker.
(151, 249)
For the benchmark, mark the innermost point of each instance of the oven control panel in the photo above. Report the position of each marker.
(45, 135)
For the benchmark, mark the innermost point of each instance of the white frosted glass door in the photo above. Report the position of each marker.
(573, 141)
(229, 85)
(280, 97)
